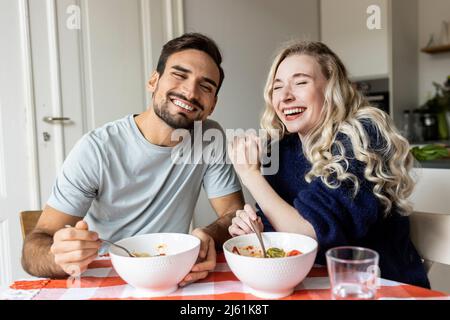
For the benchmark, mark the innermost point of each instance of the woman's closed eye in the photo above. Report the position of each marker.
(275, 88)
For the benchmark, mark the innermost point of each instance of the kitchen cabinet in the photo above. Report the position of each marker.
(431, 193)
(386, 49)
(344, 28)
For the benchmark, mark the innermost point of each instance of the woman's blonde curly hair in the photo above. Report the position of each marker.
(344, 111)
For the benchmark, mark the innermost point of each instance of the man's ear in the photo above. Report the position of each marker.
(153, 82)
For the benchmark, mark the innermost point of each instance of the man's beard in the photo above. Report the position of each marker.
(178, 121)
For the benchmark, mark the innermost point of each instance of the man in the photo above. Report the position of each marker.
(120, 180)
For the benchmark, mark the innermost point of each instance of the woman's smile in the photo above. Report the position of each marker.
(292, 113)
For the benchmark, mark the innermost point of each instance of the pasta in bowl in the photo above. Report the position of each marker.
(251, 251)
(277, 276)
(162, 261)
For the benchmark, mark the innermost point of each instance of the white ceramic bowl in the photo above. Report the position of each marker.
(272, 278)
(157, 275)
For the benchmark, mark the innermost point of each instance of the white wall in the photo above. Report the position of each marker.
(248, 33)
(432, 67)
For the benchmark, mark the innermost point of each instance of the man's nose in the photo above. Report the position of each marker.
(189, 90)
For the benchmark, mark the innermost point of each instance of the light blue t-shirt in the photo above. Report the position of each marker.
(123, 185)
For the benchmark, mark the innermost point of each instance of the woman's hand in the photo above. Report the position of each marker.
(244, 153)
(241, 225)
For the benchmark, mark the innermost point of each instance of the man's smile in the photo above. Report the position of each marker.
(184, 105)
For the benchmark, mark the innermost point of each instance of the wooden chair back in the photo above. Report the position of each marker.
(28, 220)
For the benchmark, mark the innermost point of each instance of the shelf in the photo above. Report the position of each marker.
(437, 49)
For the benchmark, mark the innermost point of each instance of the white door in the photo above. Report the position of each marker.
(16, 183)
(88, 63)
(91, 62)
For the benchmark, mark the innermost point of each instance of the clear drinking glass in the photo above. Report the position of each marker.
(353, 272)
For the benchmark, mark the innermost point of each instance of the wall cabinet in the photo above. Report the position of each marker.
(344, 28)
(390, 50)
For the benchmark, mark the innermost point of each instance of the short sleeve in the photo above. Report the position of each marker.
(219, 179)
(78, 182)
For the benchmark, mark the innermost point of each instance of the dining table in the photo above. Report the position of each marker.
(101, 282)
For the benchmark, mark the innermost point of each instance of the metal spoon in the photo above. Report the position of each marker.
(130, 254)
(258, 235)
(120, 247)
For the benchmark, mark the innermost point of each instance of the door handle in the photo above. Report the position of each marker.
(55, 119)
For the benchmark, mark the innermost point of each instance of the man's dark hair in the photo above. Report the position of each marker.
(195, 41)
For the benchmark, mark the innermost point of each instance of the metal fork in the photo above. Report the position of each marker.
(258, 235)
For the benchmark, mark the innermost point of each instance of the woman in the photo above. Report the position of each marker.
(343, 175)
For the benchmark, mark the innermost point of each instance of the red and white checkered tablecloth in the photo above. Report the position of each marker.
(101, 282)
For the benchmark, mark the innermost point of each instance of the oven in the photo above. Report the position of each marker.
(376, 91)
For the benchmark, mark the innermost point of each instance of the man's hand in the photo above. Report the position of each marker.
(75, 248)
(206, 261)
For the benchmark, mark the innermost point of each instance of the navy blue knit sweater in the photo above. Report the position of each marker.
(340, 219)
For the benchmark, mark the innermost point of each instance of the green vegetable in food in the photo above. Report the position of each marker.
(429, 152)
(275, 253)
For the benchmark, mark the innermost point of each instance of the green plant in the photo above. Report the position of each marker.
(439, 105)
(430, 152)
(442, 96)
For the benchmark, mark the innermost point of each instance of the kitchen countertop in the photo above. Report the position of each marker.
(434, 164)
